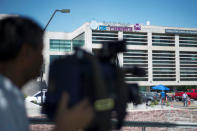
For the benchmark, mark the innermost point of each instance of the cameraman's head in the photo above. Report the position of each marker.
(21, 44)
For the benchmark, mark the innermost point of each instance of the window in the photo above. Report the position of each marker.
(190, 91)
(54, 57)
(187, 41)
(78, 41)
(60, 45)
(188, 65)
(39, 94)
(99, 37)
(137, 58)
(163, 40)
(163, 65)
(135, 38)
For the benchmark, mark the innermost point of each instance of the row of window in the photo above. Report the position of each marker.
(135, 38)
(139, 38)
(60, 45)
(188, 65)
(187, 41)
(137, 58)
(161, 72)
(67, 45)
(160, 69)
(165, 60)
(163, 64)
(163, 39)
(99, 37)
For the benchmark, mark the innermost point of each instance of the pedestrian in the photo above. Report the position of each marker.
(162, 95)
(188, 101)
(21, 44)
(185, 99)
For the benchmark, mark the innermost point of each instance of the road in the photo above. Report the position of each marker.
(32, 109)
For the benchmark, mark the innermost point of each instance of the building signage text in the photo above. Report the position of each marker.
(115, 28)
(95, 26)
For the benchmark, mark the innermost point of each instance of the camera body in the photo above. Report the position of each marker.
(98, 78)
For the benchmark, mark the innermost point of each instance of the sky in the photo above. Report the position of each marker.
(173, 13)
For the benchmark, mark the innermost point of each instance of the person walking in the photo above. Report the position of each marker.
(162, 97)
(185, 98)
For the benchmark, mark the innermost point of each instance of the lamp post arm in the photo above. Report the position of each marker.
(50, 19)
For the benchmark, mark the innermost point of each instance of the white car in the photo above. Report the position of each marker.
(36, 98)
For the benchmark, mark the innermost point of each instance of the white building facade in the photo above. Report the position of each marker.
(168, 54)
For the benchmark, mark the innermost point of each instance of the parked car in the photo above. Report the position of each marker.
(192, 94)
(36, 98)
(155, 95)
(148, 97)
(178, 95)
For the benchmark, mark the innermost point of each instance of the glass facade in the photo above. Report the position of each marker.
(188, 65)
(187, 41)
(54, 57)
(156, 55)
(163, 39)
(135, 38)
(137, 58)
(78, 41)
(98, 37)
(163, 65)
(60, 45)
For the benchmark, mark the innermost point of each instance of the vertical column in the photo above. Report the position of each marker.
(71, 46)
(120, 35)
(177, 60)
(120, 55)
(46, 55)
(148, 89)
(88, 39)
(150, 65)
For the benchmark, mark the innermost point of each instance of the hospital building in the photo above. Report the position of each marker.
(168, 54)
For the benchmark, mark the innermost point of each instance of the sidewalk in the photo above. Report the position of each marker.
(143, 107)
(172, 105)
(179, 104)
(32, 109)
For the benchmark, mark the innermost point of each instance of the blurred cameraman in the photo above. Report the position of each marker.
(21, 44)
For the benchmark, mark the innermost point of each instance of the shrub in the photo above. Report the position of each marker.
(156, 102)
(167, 103)
(153, 103)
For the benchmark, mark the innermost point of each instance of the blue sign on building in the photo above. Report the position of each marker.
(102, 27)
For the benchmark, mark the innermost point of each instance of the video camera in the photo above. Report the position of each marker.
(98, 78)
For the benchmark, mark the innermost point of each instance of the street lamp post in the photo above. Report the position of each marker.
(62, 11)
(42, 69)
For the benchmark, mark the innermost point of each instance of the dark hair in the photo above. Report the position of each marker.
(16, 31)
